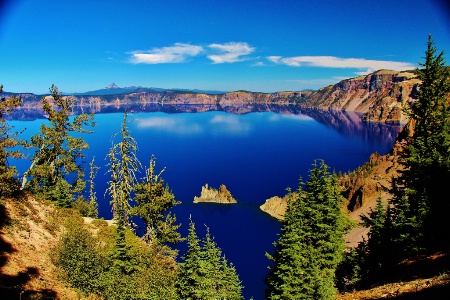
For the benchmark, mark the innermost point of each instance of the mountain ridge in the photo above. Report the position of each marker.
(379, 96)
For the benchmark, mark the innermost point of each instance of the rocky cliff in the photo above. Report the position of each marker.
(211, 195)
(380, 96)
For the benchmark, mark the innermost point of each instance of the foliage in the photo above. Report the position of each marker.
(58, 154)
(205, 272)
(91, 264)
(368, 262)
(150, 199)
(419, 210)
(60, 193)
(416, 217)
(123, 164)
(311, 242)
(77, 255)
(8, 143)
(93, 205)
(89, 207)
(153, 200)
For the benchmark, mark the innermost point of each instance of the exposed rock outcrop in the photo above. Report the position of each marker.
(380, 96)
(275, 206)
(211, 195)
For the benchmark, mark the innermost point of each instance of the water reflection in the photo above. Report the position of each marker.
(346, 123)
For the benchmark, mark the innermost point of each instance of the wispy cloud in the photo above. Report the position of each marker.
(230, 52)
(173, 54)
(366, 65)
(258, 64)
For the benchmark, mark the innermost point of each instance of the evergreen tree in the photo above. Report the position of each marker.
(153, 200)
(8, 141)
(221, 280)
(58, 154)
(191, 273)
(311, 241)
(375, 251)
(92, 203)
(89, 207)
(418, 213)
(205, 272)
(122, 260)
(123, 165)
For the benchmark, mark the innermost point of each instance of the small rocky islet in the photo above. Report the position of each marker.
(212, 195)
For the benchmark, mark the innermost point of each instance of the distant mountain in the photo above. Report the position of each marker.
(112, 86)
(113, 89)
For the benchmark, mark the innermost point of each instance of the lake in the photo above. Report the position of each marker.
(257, 155)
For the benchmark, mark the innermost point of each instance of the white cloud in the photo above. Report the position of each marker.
(230, 52)
(258, 64)
(228, 124)
(173, 54)
(338, 62)
(320, 81)
(178, 126)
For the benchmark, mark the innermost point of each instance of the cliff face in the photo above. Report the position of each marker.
(211, 195)
(380, 96)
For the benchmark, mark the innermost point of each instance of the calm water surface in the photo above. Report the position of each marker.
(256, 155)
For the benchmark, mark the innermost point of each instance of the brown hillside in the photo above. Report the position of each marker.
(28, 230)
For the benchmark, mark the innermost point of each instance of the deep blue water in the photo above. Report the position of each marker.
(256, 155)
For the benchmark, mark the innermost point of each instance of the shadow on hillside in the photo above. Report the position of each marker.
(11, 286)
(422, 267)
(440, 292)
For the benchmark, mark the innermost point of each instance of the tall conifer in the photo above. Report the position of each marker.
(419, 210)
(153, 200)
(58, 157)
(311, 241)
(8, 141)
(205, 272)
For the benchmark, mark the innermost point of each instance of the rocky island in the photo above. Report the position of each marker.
(211, 195)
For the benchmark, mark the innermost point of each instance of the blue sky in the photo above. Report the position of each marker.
(264, 45)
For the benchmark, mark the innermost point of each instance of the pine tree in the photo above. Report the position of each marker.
(375, 249)
(311, 240)
(221, 280)
(205, 272)
(191, 274)
(418, 210)
(92, 201)
(58, 154)
(123, 165)
(153, 200)
(122, 260)
(8, 141)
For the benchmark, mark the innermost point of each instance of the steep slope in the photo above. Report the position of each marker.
(380, 96)
(28, 230)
